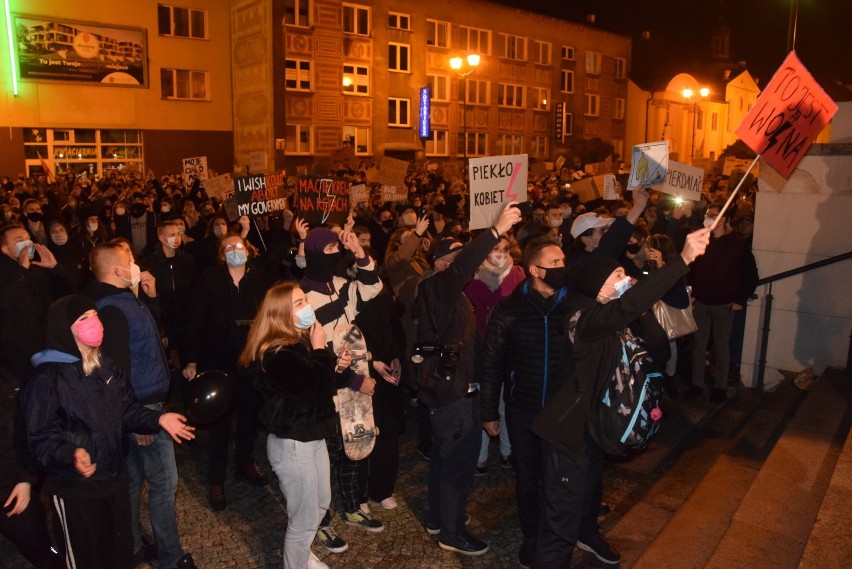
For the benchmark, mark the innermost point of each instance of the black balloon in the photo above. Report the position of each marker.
(209, 397)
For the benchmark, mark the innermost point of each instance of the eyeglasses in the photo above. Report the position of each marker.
(235, 246)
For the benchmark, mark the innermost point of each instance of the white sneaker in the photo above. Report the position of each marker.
(315, 563)
(389, 503)
(365, 508)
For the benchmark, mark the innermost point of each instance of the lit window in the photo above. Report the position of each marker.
(356, 19)
(399, 112)
(356, 79)
(184, 84)
(358, 137)
(399, 57)
(540, 98)
(298, 137)
(181, 22)
(297, 75)
(399, 21)
(297, 13)
(437, 33)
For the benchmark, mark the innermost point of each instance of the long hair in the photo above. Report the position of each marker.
(273, 326)
(91, 359)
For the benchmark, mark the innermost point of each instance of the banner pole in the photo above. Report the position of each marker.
(734, 193)
(259, 234)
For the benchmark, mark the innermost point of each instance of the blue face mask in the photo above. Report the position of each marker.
(621, 287)
(306, 317)
(21, 245)
(236, 258)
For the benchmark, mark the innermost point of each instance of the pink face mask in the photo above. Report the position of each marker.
(90, 331)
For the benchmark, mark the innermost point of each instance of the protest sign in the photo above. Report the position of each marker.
(195, 167)
(610, 190)
(683, 181)
(372, 175)
(342, 156)
(358, 194)
(589, 188)
(394, 194)
(731, 163)
(232, 210)
(218, 186)
(259, 194)
(323, 200)
(495, 180)
(649, 164)
(257, 161)
(392, 171)
(787, 116)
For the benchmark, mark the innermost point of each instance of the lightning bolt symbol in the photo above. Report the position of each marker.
(327, 184)
(773, 138)
(513, 196)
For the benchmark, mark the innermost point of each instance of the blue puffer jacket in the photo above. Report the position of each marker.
(65, 409)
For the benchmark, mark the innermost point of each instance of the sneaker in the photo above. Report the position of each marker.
(431, 530)
(597, 546)
(506, 461)
(315, 563)
(216, 498)
(251, 474)
(146, 553)
(328, 538)
(360, 519)
(186, 562)
(389, 503)
(465, 544)
(481, 470)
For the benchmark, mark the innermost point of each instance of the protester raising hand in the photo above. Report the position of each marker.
(696, 244)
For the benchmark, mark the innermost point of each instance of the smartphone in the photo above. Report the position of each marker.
(525, 208)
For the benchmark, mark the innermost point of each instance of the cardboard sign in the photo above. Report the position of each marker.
(323, 200)
(495, 180)
(343, 155)
(787, 116)
(372, 175)
(259, 194)
(397, 194)
(588, 189)
(218, 186)
(740, 164)
(232, 210)
(358, 194)
(683, 181)
(649, 164)
(195, 167)
(610, 189)
(257, 161)
(392, 171)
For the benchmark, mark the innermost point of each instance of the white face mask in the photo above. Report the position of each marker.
(620, 287)
(708, 221)
(499, 260)
(173, 242)
(555, 222)
(92, 225)
(135, 274)
(59, 238)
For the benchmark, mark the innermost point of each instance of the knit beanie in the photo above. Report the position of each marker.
(592, 274)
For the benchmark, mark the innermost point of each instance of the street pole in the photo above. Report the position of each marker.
(457, 63)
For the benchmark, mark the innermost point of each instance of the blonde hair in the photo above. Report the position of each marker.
(273, 326)
(91, 358)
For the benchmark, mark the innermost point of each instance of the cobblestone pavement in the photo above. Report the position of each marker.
(249, 534)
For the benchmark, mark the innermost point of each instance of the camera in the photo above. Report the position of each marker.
(423, 350)
(649, 267)
(448, 356)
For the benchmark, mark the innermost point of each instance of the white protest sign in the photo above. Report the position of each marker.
(495, 180)
(396, 194)
(649, 164)
(257, 161)
(358, 194)
(218, 186)
(683, 181)
(195, 167)
(610, 190)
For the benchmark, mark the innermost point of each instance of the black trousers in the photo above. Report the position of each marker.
(28, 533)
(382, 467)
(526, 455)
(571, 499)
(247, 404)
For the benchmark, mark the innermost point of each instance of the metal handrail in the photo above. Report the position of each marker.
(767, 310)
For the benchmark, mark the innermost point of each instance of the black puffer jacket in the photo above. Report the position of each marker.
(521, 348)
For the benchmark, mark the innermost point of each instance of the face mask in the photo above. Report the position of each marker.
(566, 213)
(59, 238)
(173, 242)
(119, 211)
(620, 288)
(218, 231)
(634, 248)
(321, 266)
(554, 277)
(35, 216)
(236, 258)
(138, 209)
(498, 259)
(28, 245)
(708, 221)
(90, 331)
(135, 274)
(92, 225)
(555, 222)
(165, 209)
(388, 223)
(305, 317)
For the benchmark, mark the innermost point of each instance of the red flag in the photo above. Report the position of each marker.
(46, 168)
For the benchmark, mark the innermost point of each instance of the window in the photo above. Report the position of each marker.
(298, 137)
(437, 33)
(568, 125)
(399, 112)
(476, 40)
(183, 84)
(297, 13)
(356, 79)
(538, 146)
(514, 47)
(509, 144)
(620, 68)
(297, 75)
(568, 52)
(567, 81)
(618, 148)
(399, 21)
(543, 52)
(358, 137)
(476, 92)
(593, 62)
(93, 152)
(699, 119)
(399, 57)
(593, 105)
(619, 108)
(714, 122)
(510, 95)
(476, 143)
(181, 22)
(356, 19)
(540, 98)
(439, 86)
(437, 145)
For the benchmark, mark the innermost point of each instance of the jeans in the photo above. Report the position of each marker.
(455, 446)
(505, 445)
(155, 464)
(718, 319)
(526, 458)
(303, 474)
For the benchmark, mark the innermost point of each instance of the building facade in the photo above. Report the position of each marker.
(320, 78)
(97, 86)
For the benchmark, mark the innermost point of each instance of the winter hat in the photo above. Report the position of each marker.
(318, 238)
(592, 274)
(60, 316)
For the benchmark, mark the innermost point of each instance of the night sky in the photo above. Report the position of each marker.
(681, 32)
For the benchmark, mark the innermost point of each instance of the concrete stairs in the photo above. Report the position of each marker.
(763, 484)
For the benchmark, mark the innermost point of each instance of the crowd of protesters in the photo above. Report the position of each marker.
(115, 290)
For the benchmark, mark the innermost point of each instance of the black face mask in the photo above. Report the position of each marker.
(387, 224)
(35, 217)
(554, 277)
(138, 209)
(320, 266)
(634, 248)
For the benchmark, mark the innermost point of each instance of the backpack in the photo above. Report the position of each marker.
(627, 412)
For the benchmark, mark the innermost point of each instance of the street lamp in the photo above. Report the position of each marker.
(687, 94)
(458, 65)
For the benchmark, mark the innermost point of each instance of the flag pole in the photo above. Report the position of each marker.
(734, 193)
